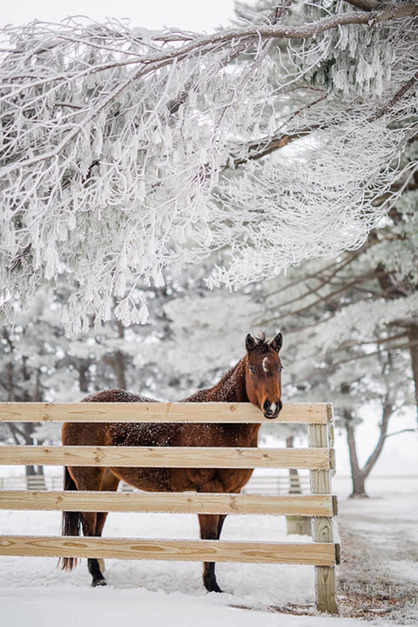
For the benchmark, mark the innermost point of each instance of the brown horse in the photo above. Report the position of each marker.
(256, 379)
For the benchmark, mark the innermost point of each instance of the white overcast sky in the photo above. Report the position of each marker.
(197, 15)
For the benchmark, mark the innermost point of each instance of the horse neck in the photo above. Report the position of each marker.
(231, 389)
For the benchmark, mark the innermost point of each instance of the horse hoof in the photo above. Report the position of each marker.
(98, 582)
(213, 587)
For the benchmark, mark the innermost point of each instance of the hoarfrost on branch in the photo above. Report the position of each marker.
(126, 151)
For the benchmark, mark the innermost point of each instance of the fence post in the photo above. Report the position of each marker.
(322, 528)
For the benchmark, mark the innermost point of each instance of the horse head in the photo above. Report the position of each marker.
(263, 374)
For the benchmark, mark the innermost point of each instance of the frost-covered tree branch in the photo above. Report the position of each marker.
(125, 151)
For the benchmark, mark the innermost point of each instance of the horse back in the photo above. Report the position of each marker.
(100, 433)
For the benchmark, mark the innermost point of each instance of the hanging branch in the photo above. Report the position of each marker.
(120, 149)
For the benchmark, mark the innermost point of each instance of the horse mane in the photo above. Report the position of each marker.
(232, 385)
(232, 382)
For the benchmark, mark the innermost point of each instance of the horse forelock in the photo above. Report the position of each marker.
(261, 345)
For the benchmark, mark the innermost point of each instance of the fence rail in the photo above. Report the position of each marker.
(166, 457)
(317, 554)
(305, 413)
(319, 504)
(188, 503)
(274, 484)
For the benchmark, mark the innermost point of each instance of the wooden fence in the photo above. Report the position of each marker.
(318, 457)
(275, 483)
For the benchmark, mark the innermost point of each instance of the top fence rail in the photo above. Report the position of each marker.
(305, 413)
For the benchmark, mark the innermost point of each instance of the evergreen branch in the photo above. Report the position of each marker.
(113, 198)
(263, 147)
(205, 44)
(398, 96)
(280, 11)
(266, 145)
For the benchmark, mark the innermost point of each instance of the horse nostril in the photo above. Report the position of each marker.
(272, 410)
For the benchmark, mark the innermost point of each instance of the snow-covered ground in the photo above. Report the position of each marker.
(34, 592)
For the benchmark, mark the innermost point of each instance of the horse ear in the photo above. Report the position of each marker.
(249, 342)
(277, 342)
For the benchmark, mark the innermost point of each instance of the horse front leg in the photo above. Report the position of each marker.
(210, 529)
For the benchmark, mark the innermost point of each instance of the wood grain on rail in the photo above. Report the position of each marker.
(308, 413)
(166, 457)
(189, 503)
(183, 550)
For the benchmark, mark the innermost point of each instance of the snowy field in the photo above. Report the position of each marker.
(380, 552)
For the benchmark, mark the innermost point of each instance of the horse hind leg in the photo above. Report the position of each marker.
(210, 529)
(71, 522)
(92, 523)
(96, 567)
(89, 524)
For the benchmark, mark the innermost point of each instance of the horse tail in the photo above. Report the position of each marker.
(71, 523)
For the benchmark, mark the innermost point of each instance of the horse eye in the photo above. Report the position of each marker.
(281, 368)
(252, 369)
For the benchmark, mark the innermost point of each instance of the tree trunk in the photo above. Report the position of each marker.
(412, 331)
(10, 381)
(83, 376)
(119, 368)
(117, 363)
(117, 360)
(358, 482)
(357, 476)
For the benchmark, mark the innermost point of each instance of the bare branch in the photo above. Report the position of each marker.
(402, 346)
(389, 435)
(387, 412)
(324, 299)
(365, 5)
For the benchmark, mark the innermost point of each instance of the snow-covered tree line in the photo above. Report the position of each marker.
(347, 324)
(125, 152)
(352, 327)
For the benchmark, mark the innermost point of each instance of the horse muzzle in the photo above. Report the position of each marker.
(272, 410)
